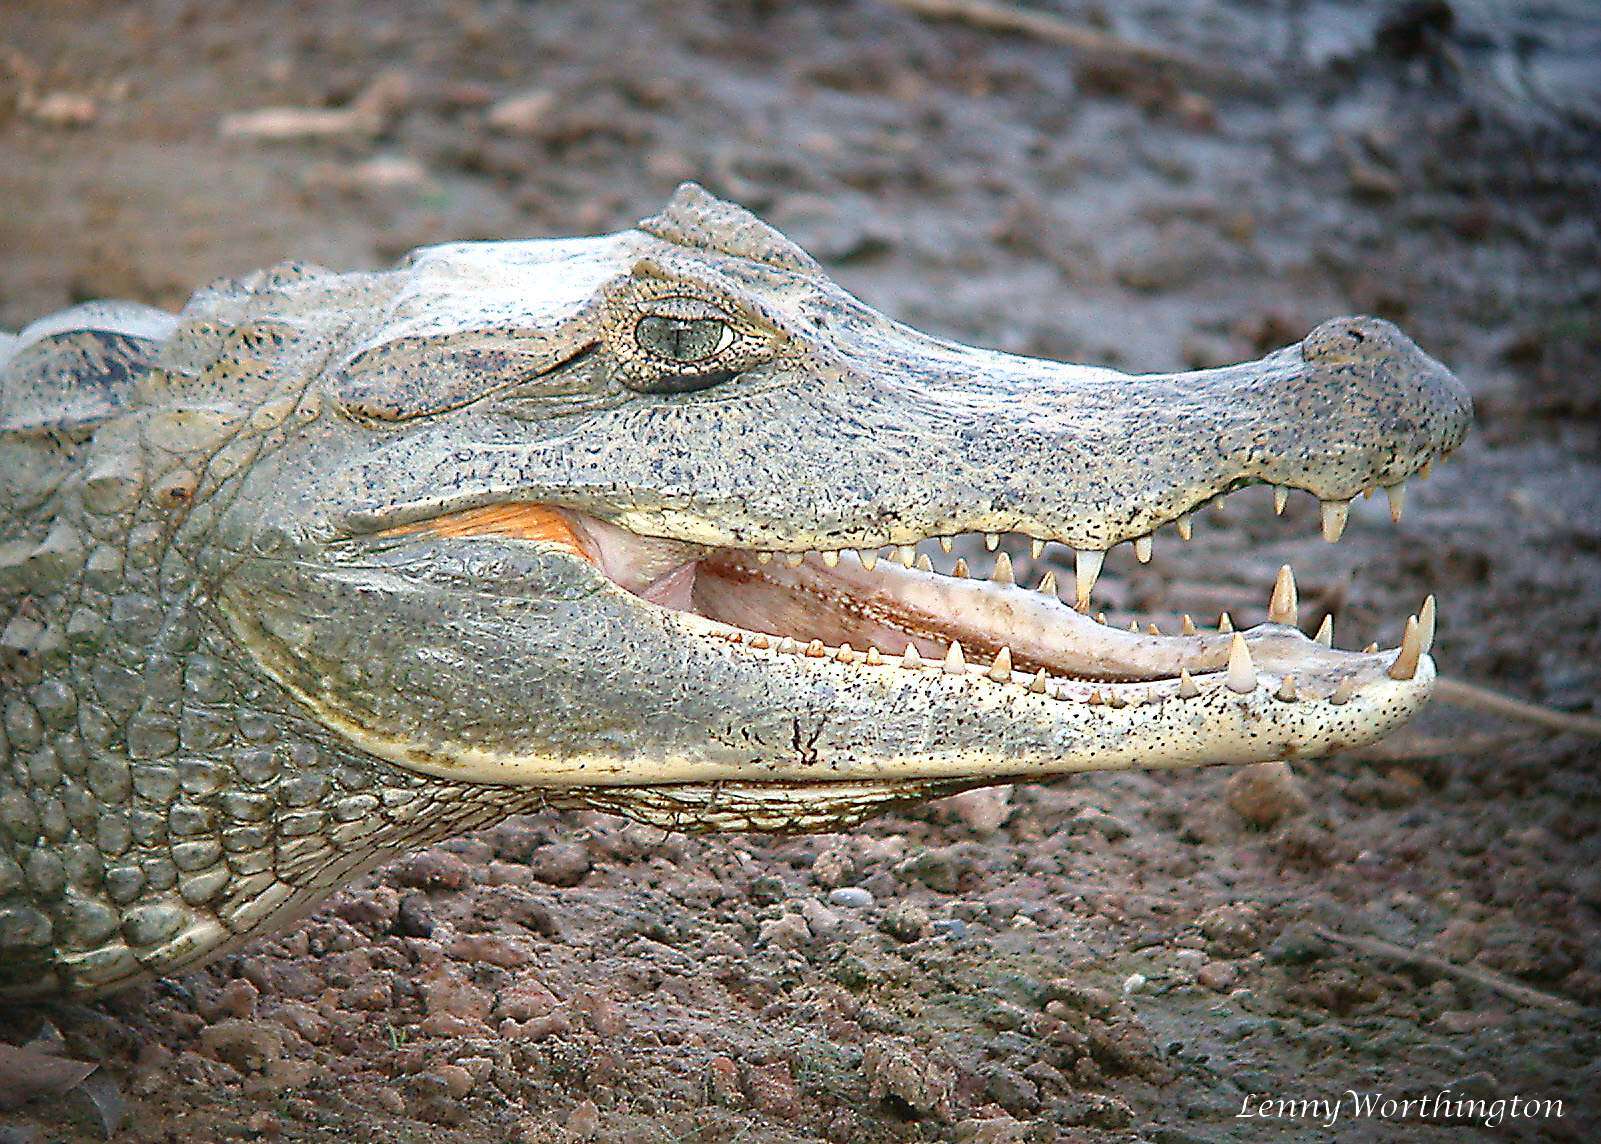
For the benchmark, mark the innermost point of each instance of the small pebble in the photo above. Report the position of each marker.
(850, 897)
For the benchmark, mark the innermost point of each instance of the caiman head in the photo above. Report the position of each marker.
(607, 516)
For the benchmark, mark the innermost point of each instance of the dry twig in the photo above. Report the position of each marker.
(1000, 17)
(1489, 979)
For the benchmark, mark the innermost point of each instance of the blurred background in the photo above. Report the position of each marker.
(1151, 186)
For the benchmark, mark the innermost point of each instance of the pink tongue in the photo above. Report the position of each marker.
(674, 590)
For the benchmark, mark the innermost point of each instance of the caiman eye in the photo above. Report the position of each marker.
(685, 340)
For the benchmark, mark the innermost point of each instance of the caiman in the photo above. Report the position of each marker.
(329, 566)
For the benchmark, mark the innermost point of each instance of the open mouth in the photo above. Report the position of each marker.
(915, 607)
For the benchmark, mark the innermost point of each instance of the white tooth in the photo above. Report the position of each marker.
(1114, 700)
(911, 658)
(793, 559)
(759, 642)
(1224, 624)
(1100, 618)
(1286, 689)
(1334, 514)
(868, 557)
(787, 646)
(1185, 526)
(816, 650)
(1142, 548)
(831, 559)
(992, 540)
(1283, 607)
(1325, 630)
(873, 656)
(1370, 649)
(1406, 660)
(1397, 495)
(1426, 625)
(1242, 672)
(1186, 626)
(1281, 497)
(954, 663)
(1087, 568)
(923, 563)
(1037, 684)
(960, 571)
(764, 558)
(1187, 688)
(1001, 670)
(906, 554)
(1036, 548)
(845, 654)
(945, 545)
(1048, 583)
(1134, 626)
(1344, 691)
(1152, 630)
(1003, 570)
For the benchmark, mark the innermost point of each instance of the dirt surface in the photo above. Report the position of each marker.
(1121, 957)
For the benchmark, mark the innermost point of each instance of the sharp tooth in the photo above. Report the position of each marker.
(1048, 583)
(816, 650)
(845, 654)
(1224, 624)
(1134, 626)
(911, 658)
(1100, 618)
(1185, 526)
(1003, 570)
(1152, 629)
(759, 642)
(923, 563)
(1186, 626)
(1286, 689)
(960, 571)
(764, 558)
(1344, 691)
(954, 663)
(868, 557)
(1095, 698)
(1187, 688)
(1142, 548)
(1325, 630)
(1281, 497)
(992, 540)
(1114, 700)
(945, 545)
(1242, 672)
(1370, 649)
(1406, 660)
(793, 559)
(1426, 625)
(787, 645)
(1334, 514)
(906, 554)
(1283, 606)
(873, 657)
(1397, 495)
(1036, 548)
(831, 559)
(1037, 684)
(1086, 568)
(1001, 670)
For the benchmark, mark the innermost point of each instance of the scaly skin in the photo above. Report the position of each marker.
(277, 601)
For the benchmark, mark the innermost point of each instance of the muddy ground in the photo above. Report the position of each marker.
(1113, 958)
